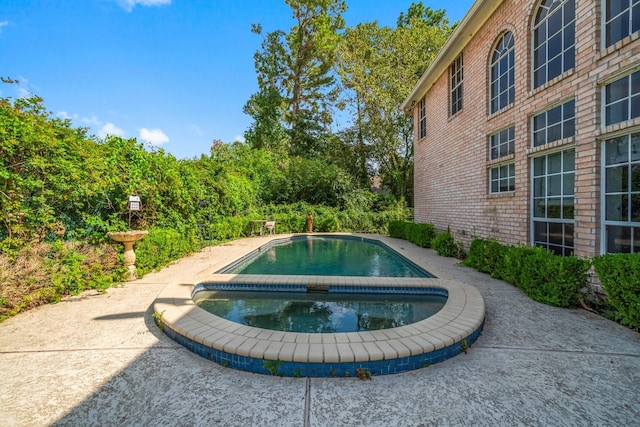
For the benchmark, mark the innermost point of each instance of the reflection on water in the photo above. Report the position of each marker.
(319, 313)
(329, 257)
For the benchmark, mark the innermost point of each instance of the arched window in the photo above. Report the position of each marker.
(553, 40)
(502, 74)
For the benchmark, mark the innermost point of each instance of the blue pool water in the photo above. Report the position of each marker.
(319, 312)
(328, 256)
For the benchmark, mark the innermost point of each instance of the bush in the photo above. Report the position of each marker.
(419, 234)
(445, 245)
(162, 246)
(543, 276)
(620, 277)
(487, 256)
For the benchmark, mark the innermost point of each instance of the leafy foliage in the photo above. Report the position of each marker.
(543, 276)
(620, 277)
(420, 234)
(445, 245)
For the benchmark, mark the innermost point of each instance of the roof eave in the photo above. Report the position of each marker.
(475, 18)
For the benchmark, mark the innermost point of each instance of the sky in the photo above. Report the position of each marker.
(173, 73)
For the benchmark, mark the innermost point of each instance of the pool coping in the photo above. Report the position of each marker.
(445, 334)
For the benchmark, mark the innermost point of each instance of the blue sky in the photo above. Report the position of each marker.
(173, 73)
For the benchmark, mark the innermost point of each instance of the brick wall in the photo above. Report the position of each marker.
(451, 162)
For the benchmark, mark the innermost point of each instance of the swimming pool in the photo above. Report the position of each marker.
(447, 333)
(319, 312)
(326, 256)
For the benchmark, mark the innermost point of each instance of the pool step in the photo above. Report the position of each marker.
(317, 288)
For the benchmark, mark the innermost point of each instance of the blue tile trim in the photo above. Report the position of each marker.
(349, 289)
(247, 287)
(309, 369)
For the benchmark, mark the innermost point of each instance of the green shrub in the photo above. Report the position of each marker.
(445, 245)
(419, 234)
(545, 277)
(487, 256)
(162, 246)
(620, 277)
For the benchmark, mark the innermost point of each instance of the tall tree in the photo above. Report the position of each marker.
(378, 66)
(296, 85)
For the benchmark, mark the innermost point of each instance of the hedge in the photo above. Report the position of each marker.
(543, 276)
(620, 278)
(419, 234)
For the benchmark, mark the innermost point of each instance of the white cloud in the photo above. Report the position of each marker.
(239, 138)
(128, 5)
(93, 120)
(66, 116)
(153, 136)
(110, 129)
(3, 24)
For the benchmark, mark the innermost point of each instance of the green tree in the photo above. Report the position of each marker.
(296, 86)
(378, 66)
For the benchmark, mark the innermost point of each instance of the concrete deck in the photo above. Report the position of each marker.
(98, 359)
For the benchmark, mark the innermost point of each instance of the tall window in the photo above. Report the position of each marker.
(553, 40)
(553, 191)
(622, 18)
(422, 118)
(456, 85)
(554, 124)
(622, 194)
(502, 177)
(502, 73)
(622, 99)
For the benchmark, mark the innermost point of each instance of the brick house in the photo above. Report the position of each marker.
(527, 126)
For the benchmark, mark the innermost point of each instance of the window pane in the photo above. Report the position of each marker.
(567, 208)
(634, 214)
(555, 233)
(539, 187)
(614, 207)
(613, 8)
(555, 185)
(555, 163)
(569, 159)
(618, 239)
(616, 150)
(540, 232)
(635, 146)
(568, 235)
(539, 166)
(539, 208)
(616, 113)
(554, 133)
(635, 107)
(635, 177)
(617, 90)
(554, 207)
(554, 68)
(568, 184)
(616, 179)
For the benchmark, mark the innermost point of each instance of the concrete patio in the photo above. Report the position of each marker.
(98, 359)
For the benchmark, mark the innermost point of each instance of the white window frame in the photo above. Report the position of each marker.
(607, 20)
(553, 7)
(500, 51)
(564, 194)
(456, 88)
(567, 123)
(605, 223)
(422, 117)
(628, 99)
